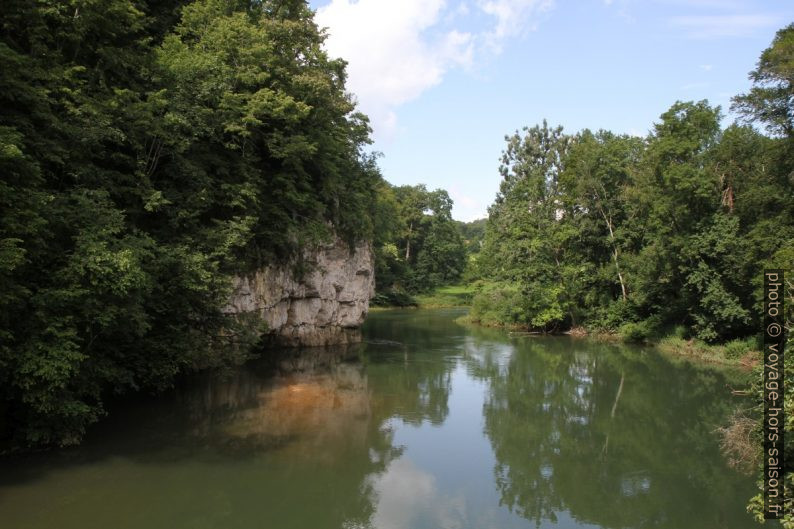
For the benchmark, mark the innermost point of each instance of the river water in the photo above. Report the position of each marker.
(427, 424)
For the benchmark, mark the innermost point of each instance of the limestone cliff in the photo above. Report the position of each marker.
(323, 307)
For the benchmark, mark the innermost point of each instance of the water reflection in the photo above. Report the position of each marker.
(426, 424)
(310, 402)
(616, 436)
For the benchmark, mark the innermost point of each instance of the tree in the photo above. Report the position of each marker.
(766, 200)
(419, 247)
(150, 152)
(611, 231)
(527, 238)
(771, 99)
(527, 202)
(599, 169)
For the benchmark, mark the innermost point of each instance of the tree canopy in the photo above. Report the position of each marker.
(149, 151)
(637, 234)
(419, 246)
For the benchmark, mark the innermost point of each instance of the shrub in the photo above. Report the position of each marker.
(393, 298)
(498, 304)
(612, 316)
(640, 331)
(738, 348)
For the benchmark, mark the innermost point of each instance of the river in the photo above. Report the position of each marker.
(427, 424)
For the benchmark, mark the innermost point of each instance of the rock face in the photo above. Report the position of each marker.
(323, 307)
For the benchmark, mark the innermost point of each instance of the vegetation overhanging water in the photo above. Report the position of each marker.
(426, 424)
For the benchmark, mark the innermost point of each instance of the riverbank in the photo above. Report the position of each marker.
(325, 428)
(445, 297)
(737, 353)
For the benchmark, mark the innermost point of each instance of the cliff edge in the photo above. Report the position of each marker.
(324, 307)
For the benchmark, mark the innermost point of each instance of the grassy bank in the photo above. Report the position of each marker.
(738, 353)
(743, 353)
(441, 297)
(448, 296)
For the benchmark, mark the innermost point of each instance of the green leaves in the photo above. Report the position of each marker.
(612, 232)
(150, 150)
(771, 99)
(417, 244)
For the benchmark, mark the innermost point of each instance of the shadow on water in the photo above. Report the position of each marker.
(427, 423)
(265, 405)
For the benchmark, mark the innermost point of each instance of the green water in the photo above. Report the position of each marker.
(428, 424)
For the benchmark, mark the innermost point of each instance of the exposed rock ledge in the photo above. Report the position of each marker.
(324, 307)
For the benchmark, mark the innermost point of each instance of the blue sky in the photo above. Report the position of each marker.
(444, 81)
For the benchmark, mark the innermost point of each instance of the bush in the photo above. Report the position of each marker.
(612, 316)
(534, 306)
(498, 304)
(740, 442)
(680, 331)
(736, 349)
(640, 331)
(393, 298)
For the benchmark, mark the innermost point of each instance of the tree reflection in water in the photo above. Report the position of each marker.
(616, 436)
(426, 424)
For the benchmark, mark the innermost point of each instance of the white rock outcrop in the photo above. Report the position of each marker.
(323, 307)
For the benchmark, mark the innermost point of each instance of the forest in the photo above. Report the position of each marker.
(639, 235)
(645, 235)
(151, 150)
(658, 238)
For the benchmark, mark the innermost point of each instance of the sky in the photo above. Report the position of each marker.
(443, 81)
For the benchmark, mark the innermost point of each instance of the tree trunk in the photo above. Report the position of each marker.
(615, 254)
(617, 397)
(605, 448)
(408, 242)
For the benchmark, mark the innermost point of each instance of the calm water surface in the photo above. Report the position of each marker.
(428, 424)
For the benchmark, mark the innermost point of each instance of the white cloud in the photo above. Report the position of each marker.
(705, 4)
(406, 492)
(466, 207)
(513, 18)
(706, 67)
(397, 50)
(621, 8)
(717, 26)
(392, 57)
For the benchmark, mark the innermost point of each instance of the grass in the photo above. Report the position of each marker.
(738, 353)
(745, 356)
(740, 443)
(448, 296)
(467, 319)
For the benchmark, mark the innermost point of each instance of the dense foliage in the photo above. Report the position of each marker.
(771, 102)
(417, 244)
(667, 234)
(148, 151)
(641, 234)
